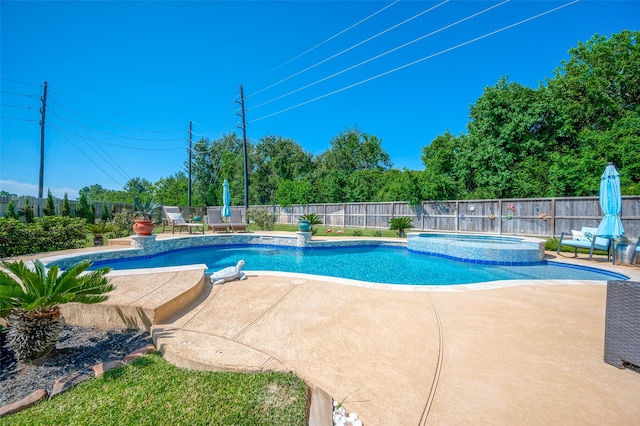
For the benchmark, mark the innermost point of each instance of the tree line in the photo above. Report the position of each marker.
(551, 141)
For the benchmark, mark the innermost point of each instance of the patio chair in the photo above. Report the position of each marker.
(214, 220)
(236, 222)
(585, 238)
(172, 216)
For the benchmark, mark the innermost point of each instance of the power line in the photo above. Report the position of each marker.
(138, 148)
(19, 119)
(27, 95)
(321, 43)
(123, 137)
(113, 112)
(91, 160)
(113, 124)
(382, 54)
(415, 62)
(351, 48)
(104, 154)
(21, 82)
(18, 106)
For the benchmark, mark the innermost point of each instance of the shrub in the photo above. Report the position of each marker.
(357, 233)
(49, 233)
(123, 222)
(262, 218)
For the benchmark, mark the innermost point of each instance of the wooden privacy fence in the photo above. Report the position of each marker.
(546, 217)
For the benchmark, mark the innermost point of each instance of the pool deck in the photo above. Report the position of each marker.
(525, 352)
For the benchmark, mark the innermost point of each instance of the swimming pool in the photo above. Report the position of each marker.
(371, 263)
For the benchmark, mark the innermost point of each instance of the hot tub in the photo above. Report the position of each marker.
(484, 249)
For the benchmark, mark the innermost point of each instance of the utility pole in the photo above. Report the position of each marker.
(189, 184)
(244, 147)
(43, 111)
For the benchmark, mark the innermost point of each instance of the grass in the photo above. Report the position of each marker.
(322, 231)
(150, 391)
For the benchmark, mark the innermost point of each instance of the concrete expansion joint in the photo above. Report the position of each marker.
(262, 315)
(436, 376)
(214, 291)
(153, 290)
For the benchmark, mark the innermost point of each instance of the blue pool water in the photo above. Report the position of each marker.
(391, 265)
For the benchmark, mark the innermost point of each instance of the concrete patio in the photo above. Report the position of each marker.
(525, 352)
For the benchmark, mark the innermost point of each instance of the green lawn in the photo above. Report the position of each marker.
(151, 391)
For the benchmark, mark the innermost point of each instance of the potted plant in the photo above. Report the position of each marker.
(144, 225)
(31, 299)
(98, 230)
(306, 222)
(400, 224)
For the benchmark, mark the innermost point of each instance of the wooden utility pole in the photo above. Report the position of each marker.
(244, 147)
(43, 111)
(189, 183)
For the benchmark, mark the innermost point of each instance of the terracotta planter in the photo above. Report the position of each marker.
(143, 227)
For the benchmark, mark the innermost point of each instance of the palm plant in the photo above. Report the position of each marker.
(32, 304)
(313, 219)
(400, 224)
(98, 229)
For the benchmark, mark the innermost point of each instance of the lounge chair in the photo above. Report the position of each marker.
(172, 216)
(585, 238)
(214, 220)
(236, 222)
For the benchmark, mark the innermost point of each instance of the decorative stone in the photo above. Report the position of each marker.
(103, 367)
(24, 403)
(139, 352)
(66, 383)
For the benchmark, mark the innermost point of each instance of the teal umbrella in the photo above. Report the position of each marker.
(611, 204)
(226, 199)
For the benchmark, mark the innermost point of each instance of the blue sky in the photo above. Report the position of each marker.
(126, 78)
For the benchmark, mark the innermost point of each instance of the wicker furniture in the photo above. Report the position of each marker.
(622, 326)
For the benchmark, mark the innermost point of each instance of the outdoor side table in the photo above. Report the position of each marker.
(622, 325)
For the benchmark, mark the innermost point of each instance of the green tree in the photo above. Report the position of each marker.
(11, 210)
(173, 191)
(27, 211)
(82, 208)
(440, 180)
(291, 192)
(350, 151)
(65, 210)
(212, 163)
(50, 207)
(138, 188)
(277, 159)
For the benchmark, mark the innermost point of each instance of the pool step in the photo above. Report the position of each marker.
(140, 299)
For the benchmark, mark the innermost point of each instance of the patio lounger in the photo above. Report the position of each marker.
(585, 238)
(236, 222)
(214, 220)
(172, 216)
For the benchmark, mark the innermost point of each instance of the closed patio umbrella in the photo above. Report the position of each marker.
(226, 199)
(611, 203)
